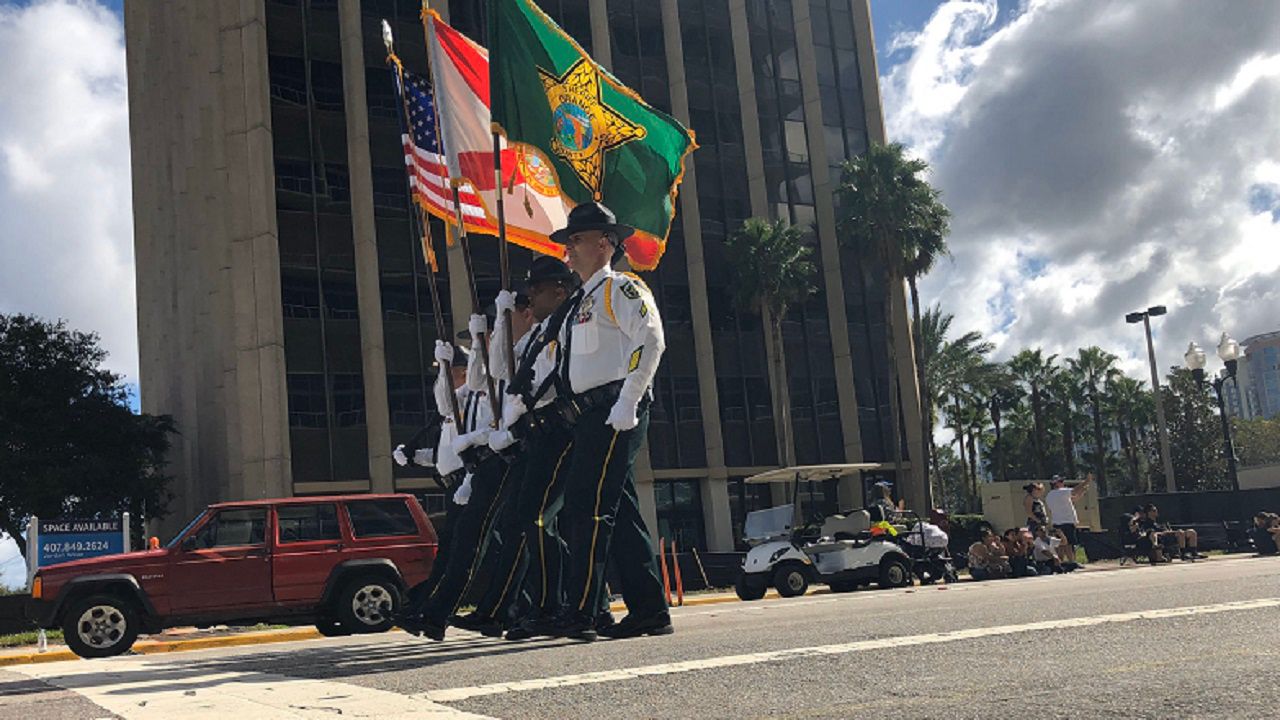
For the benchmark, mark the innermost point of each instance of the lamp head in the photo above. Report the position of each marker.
(1195, 357)
(1228, 348)
(1157, 310)
(1134, 317)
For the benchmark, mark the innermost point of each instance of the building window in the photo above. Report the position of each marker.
(680, 513)
(405, 398)
(288, 78)
(294, 176)
(348, 399)
(306, 400)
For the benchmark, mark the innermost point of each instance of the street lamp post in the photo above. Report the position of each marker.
(1229, 353)
(1166, 457)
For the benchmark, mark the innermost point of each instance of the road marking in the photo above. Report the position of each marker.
(464, 693)
(146, 689)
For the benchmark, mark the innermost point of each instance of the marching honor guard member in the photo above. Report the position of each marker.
(479, 493)
(533, 551)
(426, 450)
(611, 343)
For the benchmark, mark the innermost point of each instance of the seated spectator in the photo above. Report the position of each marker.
(1266, 533)
(1018, 548)
(1047, 552)
(1143, 540)
(1184, 542)
(987, 560)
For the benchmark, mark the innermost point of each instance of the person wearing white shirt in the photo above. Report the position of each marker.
(611, 344)
(1061, 504)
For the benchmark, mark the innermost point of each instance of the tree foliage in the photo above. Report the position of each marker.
(1258, 441)
(69, 444)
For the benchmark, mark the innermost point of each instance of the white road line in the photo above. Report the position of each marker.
(464, 693)
(146, 689)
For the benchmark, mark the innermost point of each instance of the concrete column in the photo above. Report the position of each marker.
(256, 272)
(865, 46)
(601, 44)
(756, 189)
(750, 110)
(715, 493)
(824, 200)
(364, 234)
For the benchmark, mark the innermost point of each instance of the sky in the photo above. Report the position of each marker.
(1098, 158)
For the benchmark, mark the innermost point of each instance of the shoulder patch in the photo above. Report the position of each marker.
(630, 290)
(636, 278)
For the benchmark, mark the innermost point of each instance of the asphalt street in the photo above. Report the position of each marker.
(1198, 640)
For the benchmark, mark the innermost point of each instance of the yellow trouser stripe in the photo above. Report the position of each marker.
(595, 531)
(542, 542)
(507, 585)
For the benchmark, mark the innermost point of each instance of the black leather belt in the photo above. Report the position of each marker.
(475, 456)
(454, 480)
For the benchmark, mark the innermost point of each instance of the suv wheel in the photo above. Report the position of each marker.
(100, 626)
(368, 604)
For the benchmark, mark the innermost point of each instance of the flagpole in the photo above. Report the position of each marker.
(504, 258)
(423, 224)
(495, 403)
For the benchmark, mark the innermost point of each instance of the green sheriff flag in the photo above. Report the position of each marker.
(602, 140)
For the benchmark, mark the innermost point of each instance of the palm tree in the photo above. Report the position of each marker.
(1033, 368)
(1092, 366)
(1065, 396)
(891, 216)
(947, 365)
(772, 270)
(1132, 408)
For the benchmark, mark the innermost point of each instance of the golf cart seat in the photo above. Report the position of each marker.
(855, 523)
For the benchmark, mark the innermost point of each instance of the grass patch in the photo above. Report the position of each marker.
(28, 638)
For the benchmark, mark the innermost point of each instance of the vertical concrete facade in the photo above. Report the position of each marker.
(209, 320)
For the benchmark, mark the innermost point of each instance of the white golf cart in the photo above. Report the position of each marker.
(789, 551)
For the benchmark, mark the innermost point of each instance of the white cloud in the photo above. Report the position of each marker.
(65, 196)
(1100, 158)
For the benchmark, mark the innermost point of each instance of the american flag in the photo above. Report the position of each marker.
(428, 171)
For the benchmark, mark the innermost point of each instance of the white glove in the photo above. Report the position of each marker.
(463, 493)
(623, 415)
(505, 302)
(424, 457)
(444, 352)
(478, 325)
(471, 439)
(399, 456)
(500, 440)
(512, 408)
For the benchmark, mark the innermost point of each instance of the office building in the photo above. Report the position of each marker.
(283, 311)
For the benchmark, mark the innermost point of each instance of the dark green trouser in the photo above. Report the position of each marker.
(444, 541)
(470, 532)
(532, 551)
(601, 519)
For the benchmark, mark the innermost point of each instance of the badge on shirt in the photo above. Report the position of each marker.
(585, 310)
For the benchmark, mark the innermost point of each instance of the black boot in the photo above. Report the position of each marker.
(632, 626)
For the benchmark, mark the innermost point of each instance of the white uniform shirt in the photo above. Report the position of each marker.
(473, 404)
(615, 333)
(543, 366)
(1062, 510)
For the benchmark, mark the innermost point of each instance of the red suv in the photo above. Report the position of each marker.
(341, 562)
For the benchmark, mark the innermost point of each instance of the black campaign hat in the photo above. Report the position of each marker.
(545, 268)
(593, 216)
